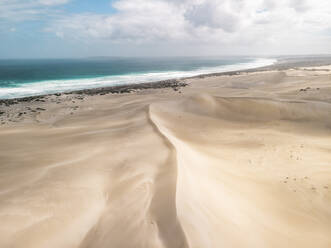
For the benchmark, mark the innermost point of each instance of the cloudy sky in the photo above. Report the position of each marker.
(80, 28)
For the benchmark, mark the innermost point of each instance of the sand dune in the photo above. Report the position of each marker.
(240, 161)
(250, 180)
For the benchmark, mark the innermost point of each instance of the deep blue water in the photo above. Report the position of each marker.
(20, 78)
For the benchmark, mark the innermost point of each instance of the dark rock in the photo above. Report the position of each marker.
(171, 83)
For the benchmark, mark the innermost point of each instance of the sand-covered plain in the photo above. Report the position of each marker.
(227, 161)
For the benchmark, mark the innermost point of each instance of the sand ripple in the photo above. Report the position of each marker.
(229, 167)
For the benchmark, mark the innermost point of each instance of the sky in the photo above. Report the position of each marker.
(85, 28)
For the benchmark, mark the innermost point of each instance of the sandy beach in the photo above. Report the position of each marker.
(231, 160)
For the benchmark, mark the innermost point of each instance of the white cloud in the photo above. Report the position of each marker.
(136, 21)
(214, 15)
(22, 10)
(53, 2)
(273, 26)
(237, 22)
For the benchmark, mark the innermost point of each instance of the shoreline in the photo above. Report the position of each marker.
(26, 109)
(172, 164)
(281, 64)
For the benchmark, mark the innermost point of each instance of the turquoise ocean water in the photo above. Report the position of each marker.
(19, 78)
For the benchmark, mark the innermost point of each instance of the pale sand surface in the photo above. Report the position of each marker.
(231, 161)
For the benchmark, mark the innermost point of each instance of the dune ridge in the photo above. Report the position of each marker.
(228, 161)
(196, 163)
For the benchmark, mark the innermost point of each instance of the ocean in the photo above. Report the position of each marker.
(20, 78)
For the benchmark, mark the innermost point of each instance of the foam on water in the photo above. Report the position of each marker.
(54, 86)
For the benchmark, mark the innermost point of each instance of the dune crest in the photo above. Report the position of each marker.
(227, 188)
(228, 161)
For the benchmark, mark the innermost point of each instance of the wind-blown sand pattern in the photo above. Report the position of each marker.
(231, 161)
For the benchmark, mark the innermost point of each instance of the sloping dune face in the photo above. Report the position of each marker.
(230, 167)
(106, 178)
(251, 173)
